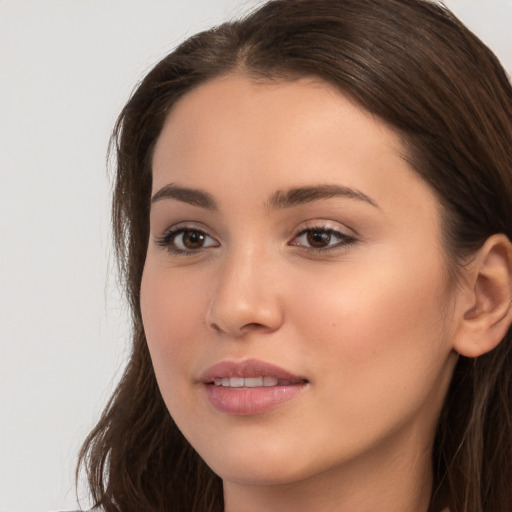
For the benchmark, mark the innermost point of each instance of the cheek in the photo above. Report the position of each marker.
(172, 315)
(381, 357)
(380, 330)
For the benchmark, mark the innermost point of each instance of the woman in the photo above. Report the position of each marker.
(312, 214)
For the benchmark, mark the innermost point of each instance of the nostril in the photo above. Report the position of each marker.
(215, 327)
(252, 326)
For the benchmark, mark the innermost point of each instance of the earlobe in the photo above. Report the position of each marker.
(488, 312)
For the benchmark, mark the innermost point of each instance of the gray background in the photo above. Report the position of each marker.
(66, 68)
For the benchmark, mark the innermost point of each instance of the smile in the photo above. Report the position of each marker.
(252, 382)
(249, 387)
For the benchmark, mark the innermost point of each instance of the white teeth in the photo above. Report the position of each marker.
(253, 382)
(270, 381)
(249, 382)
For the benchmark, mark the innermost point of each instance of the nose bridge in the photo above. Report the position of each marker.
(245, 296)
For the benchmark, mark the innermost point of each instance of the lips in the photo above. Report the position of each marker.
(250, 386)
(248, 368)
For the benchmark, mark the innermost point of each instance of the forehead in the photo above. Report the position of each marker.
(233, 131)
(292, 106)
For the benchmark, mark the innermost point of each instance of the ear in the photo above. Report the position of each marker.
(487, 304)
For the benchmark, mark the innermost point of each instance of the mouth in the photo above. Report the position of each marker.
(253, 382)
(250, 386)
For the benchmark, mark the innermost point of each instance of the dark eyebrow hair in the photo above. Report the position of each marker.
(192, 196)
(278, 200)
(301, 195)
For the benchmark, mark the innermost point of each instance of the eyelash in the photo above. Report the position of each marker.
(170, 235)
(344, 240)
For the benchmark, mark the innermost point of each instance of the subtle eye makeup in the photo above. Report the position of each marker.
(185, 240)
(321, 239)
(189, 240)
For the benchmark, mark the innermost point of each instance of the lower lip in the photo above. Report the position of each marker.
(248, 401)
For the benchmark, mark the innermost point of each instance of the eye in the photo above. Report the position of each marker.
(321, 238)
(186, 240)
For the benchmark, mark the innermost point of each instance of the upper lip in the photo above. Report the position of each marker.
(248, 368)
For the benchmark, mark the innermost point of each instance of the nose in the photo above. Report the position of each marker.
(246, 297)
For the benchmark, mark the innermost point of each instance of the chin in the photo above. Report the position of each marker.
(244, 472)
(267, 462)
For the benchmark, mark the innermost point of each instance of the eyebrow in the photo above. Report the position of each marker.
(279, 200)
(302, 195)
(192, 196)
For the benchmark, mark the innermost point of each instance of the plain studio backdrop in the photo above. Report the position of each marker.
(66, 69)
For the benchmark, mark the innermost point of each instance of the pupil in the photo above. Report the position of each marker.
(193, 239)
(318, 238)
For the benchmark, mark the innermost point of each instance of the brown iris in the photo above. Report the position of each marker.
(192, 239)
(318, 239)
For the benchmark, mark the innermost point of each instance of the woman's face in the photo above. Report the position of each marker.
(295, 295)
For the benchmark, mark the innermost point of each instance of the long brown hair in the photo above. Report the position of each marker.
(414, 65)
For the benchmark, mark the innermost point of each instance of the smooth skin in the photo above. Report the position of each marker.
(348, 286)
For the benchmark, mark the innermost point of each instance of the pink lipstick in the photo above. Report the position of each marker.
(250, 386)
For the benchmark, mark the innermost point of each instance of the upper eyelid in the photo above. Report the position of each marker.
(326, 225)
(344, 241)
(166, 239)
(326, 230)
(338, 232)
(182, 226)
(188, 225)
